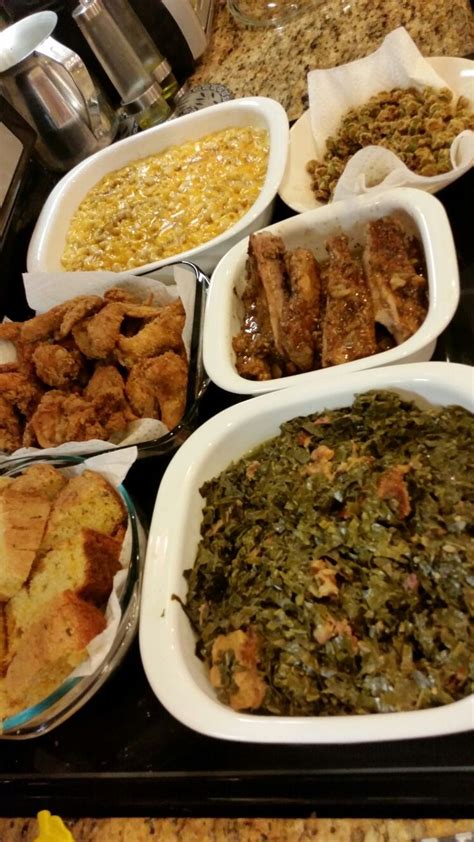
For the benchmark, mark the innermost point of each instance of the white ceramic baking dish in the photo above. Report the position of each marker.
(47, 242)
(167, 642)
(421, 213)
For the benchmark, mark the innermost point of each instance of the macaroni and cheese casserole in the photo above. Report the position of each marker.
(168, 203)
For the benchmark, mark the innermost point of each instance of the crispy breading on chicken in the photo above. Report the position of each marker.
(348, 331)
(103, 330)
(300, 318)
(61, 417)
(163, 333)
(10, 330)
(156, 388)
(55, 365)
(10, 427)
(19, 391)
(399, 292)
(106, 392)
(59, 320)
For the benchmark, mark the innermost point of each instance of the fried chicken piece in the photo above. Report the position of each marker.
(156, 388)
(398, 291)
(55, 365)
(117, 294)
(77, 309)
(10, 330)
(106, 392)
(19, 391)
(348, 325)
(300, 318)
(10, 427)
(103, 330)
(164, 333)
(58, 320)
(60, 417)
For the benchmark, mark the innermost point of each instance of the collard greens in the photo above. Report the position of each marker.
(335, 571)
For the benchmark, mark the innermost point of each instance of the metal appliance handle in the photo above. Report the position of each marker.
(76, 69)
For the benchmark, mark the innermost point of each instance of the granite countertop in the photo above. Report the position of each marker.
(275, 62)
(247, 830)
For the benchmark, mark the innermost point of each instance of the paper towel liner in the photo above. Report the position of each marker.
(47, 289)
(397, 63)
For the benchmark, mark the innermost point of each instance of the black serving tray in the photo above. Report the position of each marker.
(124, 755)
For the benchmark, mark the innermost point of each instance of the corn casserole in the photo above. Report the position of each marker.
(168, 203)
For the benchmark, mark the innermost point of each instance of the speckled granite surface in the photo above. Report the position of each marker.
(241, 830)
(275, 62)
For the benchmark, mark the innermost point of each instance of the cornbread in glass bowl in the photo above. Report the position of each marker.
(73, 615)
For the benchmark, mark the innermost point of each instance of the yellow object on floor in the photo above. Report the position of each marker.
(52, 829)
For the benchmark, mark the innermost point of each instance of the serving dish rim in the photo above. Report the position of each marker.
(163, 626)
(434, 231)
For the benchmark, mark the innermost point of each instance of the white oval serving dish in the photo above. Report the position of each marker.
(420, 212)
(47, 242)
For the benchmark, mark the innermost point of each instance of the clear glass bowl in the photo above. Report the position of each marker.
(74, 692)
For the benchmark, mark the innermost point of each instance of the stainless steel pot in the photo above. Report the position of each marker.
(51, 87)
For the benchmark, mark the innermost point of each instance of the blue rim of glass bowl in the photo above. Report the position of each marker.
(27, 715)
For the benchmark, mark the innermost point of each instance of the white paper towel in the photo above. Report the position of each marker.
(396, 64)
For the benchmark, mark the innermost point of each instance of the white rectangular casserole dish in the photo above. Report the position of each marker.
(47, 242)
(167, 642)
(421, 214)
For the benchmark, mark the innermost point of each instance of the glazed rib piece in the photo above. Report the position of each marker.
(254, 345)
(300, 319)
(348, 325)
(398, 291)
(267, 260)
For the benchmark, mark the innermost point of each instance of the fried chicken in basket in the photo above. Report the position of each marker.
(88, 367)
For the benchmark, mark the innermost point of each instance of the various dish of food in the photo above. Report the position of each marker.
(296, 187)
(418, 125)
(87, 368)
(251, 198)
(325, 569)
(300, 315)
(168, 203)
(291, 303)
(69, 541)
(334, 571)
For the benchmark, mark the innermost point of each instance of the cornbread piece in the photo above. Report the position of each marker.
(41, 479)
(348, 326)
(51, 648)
(398, 291)
(300, 317)
(23, 519)
(87, 500)
(84, 565)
